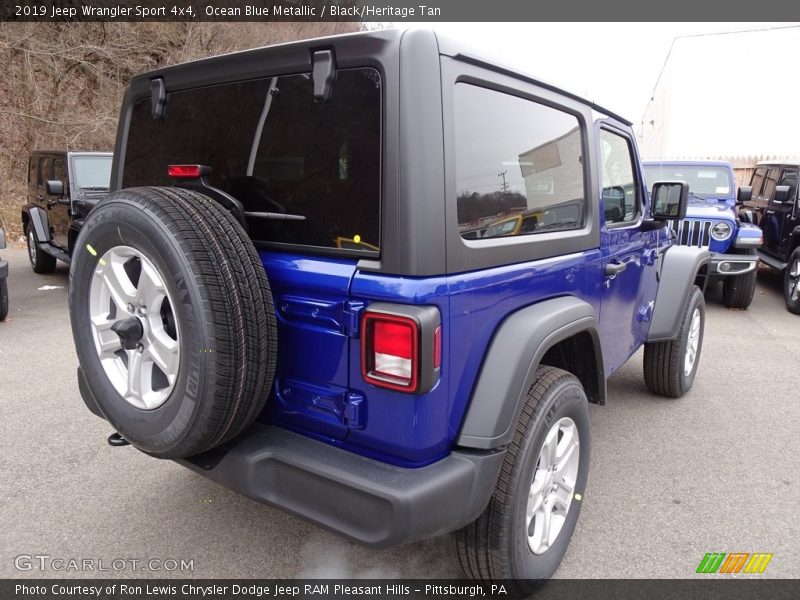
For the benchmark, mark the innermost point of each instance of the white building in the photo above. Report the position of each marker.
(726, 94)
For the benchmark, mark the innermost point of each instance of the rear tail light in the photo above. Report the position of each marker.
(401, 347)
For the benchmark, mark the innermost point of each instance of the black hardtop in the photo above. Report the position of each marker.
(292, 57)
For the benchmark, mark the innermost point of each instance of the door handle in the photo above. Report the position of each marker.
(614, 268)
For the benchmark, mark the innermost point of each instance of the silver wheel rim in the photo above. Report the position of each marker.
(553, 486)
(692, 343)
(31, 247)
(126, 286)
(794, 281)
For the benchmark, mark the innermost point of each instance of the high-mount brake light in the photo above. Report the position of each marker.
(185, 171)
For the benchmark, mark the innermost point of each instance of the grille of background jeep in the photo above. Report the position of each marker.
(692, 233)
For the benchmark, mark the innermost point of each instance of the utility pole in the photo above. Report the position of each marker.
(504, 187)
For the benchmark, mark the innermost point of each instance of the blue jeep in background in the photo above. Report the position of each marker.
(422, 378)
(711, 222)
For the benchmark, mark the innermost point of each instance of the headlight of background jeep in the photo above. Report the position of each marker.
(721, 231)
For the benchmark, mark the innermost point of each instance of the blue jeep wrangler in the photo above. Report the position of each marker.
(711, 222)
(281, 294)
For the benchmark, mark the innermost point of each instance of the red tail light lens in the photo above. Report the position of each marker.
(389, 351)
(184, 171)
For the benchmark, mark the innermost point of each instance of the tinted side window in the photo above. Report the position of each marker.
(620, 192)
(789, 177)
(770, 181)
(757, 180)
(519, 165)
(277, 151)
(60, 170)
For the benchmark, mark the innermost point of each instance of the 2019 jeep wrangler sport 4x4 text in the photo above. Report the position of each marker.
(284, 290)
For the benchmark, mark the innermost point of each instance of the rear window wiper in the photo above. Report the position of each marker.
(273, 216)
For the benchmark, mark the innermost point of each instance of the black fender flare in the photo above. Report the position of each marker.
(677, 273)
(509, 368)
(37, 218)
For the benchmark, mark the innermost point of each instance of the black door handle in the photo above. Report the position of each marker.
(615, 268)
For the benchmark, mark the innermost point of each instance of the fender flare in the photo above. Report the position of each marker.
(678, 271)
(503, 383)
(38, 219)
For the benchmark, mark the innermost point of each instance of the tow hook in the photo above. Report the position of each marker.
(116, 440)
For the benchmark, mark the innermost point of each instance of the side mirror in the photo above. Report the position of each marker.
(745, 194)
(781, 193)
(55, 188)
(669, 200)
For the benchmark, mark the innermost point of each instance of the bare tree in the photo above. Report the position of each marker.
(63, 83)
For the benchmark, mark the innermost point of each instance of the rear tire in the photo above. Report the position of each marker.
(507, 542)
(738, 291)
(3, 299)
(791, 283)
(41, 262)
(193, 364)
(670, 367)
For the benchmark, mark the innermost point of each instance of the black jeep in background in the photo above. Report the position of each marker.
(62, 188)
(3, 277)
(772, 203)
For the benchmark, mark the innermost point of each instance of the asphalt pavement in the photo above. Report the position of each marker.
(714, 471)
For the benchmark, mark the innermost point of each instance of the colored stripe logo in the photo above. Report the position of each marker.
(734, 562)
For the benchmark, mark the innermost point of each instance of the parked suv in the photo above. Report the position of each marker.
(62, 188)
(417, 381)
(3, 280)
(711, 222)
(771, 201)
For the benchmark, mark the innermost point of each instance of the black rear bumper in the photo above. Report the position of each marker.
(366, 500)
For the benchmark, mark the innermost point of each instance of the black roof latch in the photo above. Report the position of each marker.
(323, 74)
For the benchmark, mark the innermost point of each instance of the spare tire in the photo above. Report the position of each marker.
(173, 320)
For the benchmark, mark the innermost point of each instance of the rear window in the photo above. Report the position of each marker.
(276, 150)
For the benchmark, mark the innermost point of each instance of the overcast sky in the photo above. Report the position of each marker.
(617, 64)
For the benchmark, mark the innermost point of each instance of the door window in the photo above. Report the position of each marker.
(620, 190)
(770, 181)
(758, 180)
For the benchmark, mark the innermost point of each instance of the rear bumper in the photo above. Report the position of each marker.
(726, 265)
(368, 501)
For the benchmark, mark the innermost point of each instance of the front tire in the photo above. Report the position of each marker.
(3, 299)
(41, 262)
(670, 367)
(173, 320)
(738, 291)
(524, 532)
(791, 283)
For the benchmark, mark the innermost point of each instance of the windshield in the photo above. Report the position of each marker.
(706, 181)
(92, 171)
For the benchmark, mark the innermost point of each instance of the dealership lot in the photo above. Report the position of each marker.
(715, 471)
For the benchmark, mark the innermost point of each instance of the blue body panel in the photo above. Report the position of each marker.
(319, 390)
